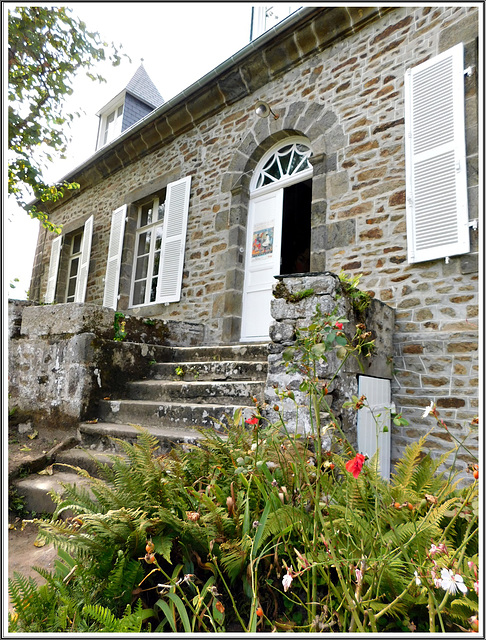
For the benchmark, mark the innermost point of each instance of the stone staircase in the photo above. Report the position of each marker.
(189, 387)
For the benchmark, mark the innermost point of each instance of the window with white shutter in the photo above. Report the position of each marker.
(160, 244)
(82, 279)
(115, 247)
(435, 149)
(53, 269)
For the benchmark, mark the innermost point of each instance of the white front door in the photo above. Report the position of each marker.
(262, 263)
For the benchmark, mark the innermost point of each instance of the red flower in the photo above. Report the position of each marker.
(253, 420)
(355, 465)
(339, 325)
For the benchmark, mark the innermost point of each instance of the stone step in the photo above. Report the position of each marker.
(35, 489)
(214, 353)
(104, 437)
(206, 392)
(85, 459)
(216, 370)
(173, 415)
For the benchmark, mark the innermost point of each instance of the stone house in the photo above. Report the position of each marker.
(344, 139)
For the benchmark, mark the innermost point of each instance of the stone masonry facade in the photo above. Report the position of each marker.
(336, 77)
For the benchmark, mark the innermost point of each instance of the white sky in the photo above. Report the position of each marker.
(179, 42)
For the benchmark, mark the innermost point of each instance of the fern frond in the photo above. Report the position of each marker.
(122, 579)
(129, 623)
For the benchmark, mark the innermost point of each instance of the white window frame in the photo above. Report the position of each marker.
(285, 179)
(152, 227)
(171, 263)
(73, 256)
(109, 131)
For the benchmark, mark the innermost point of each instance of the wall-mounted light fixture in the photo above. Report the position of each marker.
(263, 110)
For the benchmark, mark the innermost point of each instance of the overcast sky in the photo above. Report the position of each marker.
(179, 43)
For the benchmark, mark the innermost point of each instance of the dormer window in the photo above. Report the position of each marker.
(112, 125)
(111, 120)
(137, 100)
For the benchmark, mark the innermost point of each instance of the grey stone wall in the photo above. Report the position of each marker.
(290, 316)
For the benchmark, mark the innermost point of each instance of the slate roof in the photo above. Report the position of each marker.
(142, 87)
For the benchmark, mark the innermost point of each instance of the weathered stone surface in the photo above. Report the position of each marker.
(291, 316)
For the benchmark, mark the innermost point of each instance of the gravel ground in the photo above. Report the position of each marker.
(23, 554)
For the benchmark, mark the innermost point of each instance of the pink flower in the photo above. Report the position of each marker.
(359, 575)
(355, 465)
(476, 587)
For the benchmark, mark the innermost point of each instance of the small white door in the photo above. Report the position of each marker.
(262, 263)
(374, 424)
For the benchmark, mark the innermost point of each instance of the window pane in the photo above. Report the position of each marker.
(142, 267)
(153, 290)
(146, 215)
(71, 289)
(73, 267)
(299, 163)
(155, 269)
(284, 163)
(161, 211)
(77, 243)
(274, 169)
(139, 292)
(144, 243)
(158, 238)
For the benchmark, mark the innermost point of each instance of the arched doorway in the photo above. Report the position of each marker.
(279, 229)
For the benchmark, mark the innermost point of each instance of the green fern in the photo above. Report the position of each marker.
(109, 623)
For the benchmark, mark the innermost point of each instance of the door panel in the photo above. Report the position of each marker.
(262, 263)
(371, 434)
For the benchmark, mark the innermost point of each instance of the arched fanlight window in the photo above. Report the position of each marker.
(283, 163)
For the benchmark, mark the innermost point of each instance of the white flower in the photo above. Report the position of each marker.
(428, 409)
(287, 580)
(417, 579)
(452, 582)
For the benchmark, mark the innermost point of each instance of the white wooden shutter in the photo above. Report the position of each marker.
(115, 247)
(53, 269)
(174, 240)
(372, 422)
(82, 281)
(435, 149)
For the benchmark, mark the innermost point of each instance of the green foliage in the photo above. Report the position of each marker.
(359, 299)
(46, 48)
(119, 324)
(281, 291)
(260, 529)
(108, 623)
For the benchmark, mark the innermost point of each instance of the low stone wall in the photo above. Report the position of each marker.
(63, 358)
(290, 316)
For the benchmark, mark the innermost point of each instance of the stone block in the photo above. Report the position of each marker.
(463, 30)
(340, 234)
(66, 319)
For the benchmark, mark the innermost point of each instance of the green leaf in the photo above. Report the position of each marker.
(182, 611)
(162, 604)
